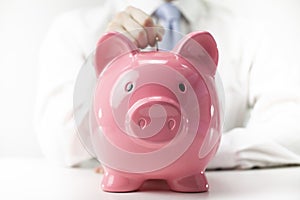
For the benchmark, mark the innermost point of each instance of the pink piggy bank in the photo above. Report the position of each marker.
(156, 114)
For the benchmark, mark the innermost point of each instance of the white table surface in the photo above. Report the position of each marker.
(35, 179)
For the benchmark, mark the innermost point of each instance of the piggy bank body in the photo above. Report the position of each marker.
(156, 114)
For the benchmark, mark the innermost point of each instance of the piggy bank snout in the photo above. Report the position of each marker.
(152, 110)
(155, 114)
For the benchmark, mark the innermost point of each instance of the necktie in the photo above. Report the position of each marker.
(169, 17)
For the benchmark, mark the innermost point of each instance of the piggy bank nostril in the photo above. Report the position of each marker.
(142, 123)
(171, 124)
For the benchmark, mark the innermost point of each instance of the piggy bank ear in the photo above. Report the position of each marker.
(110, 46)
(200, 49)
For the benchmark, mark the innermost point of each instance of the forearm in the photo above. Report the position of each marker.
(271, 138)
(56, 128)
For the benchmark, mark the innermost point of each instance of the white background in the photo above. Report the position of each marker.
(23, 26)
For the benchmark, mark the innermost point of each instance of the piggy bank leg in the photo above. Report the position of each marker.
(193, 183)
(116, 181)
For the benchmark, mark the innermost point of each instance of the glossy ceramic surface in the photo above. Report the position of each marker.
(155, 114)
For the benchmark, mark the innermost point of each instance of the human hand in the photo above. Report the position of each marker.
(99, 170)
(137, 26)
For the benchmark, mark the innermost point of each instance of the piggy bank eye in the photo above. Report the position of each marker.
(182, 87)
(129, 87)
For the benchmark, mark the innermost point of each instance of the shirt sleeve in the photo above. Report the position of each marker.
(69, 42)
(271, 136)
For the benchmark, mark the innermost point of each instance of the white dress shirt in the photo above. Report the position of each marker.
(258, 64)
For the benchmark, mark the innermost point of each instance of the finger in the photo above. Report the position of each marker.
(116, 27)
(140, 17)
(155, 34)
(151, 35)
(134, 29)
(145, 21)
(99, 170)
